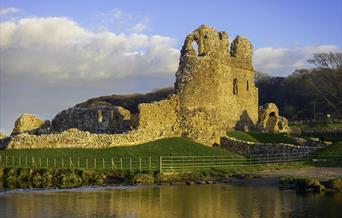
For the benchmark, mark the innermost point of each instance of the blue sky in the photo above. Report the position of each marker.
(55, 54)
(266, 22)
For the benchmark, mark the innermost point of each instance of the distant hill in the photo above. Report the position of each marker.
(130, 101)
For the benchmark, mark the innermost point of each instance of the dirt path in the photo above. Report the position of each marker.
(316, 172)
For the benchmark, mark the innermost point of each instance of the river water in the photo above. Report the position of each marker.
(207, 201)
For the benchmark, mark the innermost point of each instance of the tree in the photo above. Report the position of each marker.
(326, 78)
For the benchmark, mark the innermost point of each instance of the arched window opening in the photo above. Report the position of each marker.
(247, 85)
(195, 47)
(235, 87)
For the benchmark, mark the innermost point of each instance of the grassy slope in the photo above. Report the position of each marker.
(163, 147)
(333, 150)
(261, 137)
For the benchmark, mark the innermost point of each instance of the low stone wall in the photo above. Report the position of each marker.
(74, 138)
(251, 148)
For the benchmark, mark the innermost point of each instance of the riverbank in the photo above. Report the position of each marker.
(68, 178)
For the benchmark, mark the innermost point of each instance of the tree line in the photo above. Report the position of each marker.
(314, 93)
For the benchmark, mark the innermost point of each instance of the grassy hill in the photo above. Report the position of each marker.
(130, 101)
(333, 150)
(261, 137)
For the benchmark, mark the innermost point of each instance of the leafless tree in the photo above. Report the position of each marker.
(326, 78)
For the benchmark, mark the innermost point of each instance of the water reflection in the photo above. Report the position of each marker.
(200, 201)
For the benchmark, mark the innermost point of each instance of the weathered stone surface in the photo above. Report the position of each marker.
(251, 148)
(215, 85)
(269, 119)
(74, 138)
(99, 119)
(27, 123)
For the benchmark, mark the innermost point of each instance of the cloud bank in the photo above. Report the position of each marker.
(283, 61)
(60, 48)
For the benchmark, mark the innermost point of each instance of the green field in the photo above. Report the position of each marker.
(261, 137)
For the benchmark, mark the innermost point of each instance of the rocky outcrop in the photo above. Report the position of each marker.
(270, 121)
(98, 119)
(29, 123)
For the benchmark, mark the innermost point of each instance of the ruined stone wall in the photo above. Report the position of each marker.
(215, 85)
(99, 119)
(251, 148)
(160, 116)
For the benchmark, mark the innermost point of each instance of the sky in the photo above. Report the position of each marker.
(55, 54)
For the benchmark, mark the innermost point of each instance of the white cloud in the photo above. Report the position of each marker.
(59, 48)
(7, 11)
(283, 61)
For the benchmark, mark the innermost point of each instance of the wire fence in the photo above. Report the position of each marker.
(161, 164)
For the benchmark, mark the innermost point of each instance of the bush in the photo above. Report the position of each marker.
(142, 179)
(335, 184)
(70, 180)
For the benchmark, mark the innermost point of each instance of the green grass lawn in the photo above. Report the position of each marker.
(332, 150)
(164, 147)
(261, 137)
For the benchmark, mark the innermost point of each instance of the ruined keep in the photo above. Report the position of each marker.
(214, 93)
(215, 85)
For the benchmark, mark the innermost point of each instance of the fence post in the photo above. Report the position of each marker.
(113, 164)
(140, 164)
(87, 165)
(149, 165)
(103, 163)
(94, 163)
(26, 161)
(130, 164)
(121, 163)
(71, 164)
(33, 162)
(161, 164)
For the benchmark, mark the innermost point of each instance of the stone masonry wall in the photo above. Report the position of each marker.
(215, 85)
(251, 148)
(160, 116)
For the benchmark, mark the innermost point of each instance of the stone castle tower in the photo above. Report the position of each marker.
(215, 85)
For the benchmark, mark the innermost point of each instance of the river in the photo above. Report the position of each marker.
(207, 201)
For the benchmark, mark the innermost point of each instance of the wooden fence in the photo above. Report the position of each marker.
(161, 164)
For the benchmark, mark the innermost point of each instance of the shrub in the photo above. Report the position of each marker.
(335, 184)
(142, 179)
(70, 180)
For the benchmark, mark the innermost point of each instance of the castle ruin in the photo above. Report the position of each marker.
(214, 93)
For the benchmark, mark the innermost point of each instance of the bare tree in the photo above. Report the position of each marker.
(326, 78)
(329, 61)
